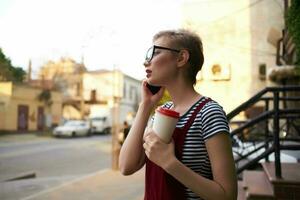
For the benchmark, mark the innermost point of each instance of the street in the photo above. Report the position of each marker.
(55, 161)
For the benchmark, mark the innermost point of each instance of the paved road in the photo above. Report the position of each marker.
(55, 161)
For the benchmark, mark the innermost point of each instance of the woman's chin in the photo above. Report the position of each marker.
(151, 81)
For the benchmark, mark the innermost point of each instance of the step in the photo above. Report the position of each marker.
(290, 173)
(287, 187)
(257, 186)
(241, 191)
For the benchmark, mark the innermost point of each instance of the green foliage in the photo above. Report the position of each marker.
(9, 72)
(166, 97)
(293, 24)
(45, 96)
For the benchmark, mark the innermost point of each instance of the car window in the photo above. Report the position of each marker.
(74, 123)
(70, 123)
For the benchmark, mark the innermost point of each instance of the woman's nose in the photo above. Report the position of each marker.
(146, 63)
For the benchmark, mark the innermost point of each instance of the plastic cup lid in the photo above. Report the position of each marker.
(168, 112)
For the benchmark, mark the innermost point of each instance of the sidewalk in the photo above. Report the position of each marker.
(14, 138)
(106, 184)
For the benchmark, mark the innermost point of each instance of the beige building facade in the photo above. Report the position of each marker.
(107, 88)
(237, 54)
(21, 109)
(89, 94)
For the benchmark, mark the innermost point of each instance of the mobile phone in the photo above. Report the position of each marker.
(153, 89)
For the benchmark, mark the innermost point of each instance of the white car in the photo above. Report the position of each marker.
(73, 128)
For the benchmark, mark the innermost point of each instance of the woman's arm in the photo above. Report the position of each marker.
(132, 155)
(224, 183)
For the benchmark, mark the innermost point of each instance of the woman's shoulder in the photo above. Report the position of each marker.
(211, 106)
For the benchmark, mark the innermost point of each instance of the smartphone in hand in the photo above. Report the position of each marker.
(153, 89)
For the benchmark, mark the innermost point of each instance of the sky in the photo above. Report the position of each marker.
(108, 34)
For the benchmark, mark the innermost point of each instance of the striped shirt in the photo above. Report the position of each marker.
(210, 121)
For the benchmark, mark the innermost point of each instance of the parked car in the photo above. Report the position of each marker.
(73, 128)
(100, 125)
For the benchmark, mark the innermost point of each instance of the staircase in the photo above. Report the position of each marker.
(277, 125)
(263, 185)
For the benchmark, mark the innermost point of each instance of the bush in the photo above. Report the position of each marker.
(292, 19)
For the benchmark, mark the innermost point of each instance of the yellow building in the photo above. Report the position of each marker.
(21, 109)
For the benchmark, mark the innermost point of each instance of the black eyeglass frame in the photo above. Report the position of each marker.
(158, 47)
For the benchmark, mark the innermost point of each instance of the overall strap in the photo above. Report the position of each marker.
(179, 136)
(194, 115)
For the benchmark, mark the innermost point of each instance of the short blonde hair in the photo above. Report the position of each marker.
(185, 39)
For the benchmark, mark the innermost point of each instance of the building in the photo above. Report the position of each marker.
(106, 88)
(25, 108)
(63, 67)
(88, 93)
(65, 75)
(237, 53)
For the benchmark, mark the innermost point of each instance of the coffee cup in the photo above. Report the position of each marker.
(164, 124)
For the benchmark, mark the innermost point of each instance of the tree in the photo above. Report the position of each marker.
(166, 97)
(9, 72)
(45, 96)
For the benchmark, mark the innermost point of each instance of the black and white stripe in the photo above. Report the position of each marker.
(210, 120)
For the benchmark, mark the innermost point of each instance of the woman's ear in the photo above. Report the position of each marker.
(183, 57)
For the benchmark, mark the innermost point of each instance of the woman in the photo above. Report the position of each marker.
(198, 164)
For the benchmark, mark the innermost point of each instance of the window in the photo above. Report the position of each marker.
(124, 91)
(93, 96)
(133, 93)
(262, 71)
(78, 89)
(2, 104)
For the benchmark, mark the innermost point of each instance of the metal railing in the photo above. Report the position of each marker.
(272, 139)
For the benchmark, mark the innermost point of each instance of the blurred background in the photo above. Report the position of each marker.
(70, 76)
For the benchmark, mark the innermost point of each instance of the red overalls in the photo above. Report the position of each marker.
(159, 184)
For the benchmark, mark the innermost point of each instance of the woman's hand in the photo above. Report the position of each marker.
(148, 98)
(157, 151)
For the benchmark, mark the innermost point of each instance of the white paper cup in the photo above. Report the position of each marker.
(164, 124)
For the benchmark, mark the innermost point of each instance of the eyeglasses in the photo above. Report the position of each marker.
(151, 51)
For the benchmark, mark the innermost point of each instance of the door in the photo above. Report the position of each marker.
(22, 118)
(40, 119)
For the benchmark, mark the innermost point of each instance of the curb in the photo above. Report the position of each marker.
(25, 175)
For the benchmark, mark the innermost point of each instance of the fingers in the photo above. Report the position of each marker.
(144, 88)
(150, 136)
(144, 83)
(147, 132)
(150, 141)
(146, 146)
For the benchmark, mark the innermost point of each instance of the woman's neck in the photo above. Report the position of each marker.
(183, 97)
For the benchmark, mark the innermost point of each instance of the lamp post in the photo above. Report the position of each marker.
(116, 147)
(81, 90)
